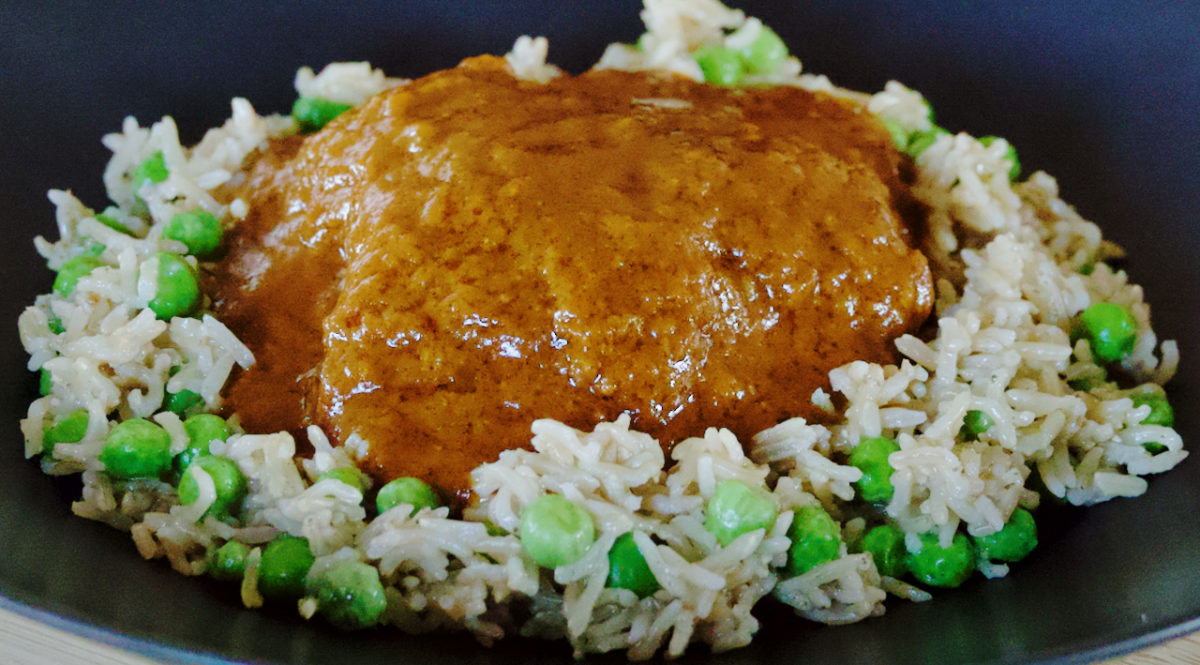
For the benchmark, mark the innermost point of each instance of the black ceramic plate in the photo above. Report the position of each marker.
(1101, 94)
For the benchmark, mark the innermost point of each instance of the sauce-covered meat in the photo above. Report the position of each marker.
(468, 253)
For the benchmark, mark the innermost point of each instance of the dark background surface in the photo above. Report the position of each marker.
(1101, 94)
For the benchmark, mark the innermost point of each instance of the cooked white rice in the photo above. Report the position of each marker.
(1007, 259)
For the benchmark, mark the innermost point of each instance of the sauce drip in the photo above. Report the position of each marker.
(462, 255)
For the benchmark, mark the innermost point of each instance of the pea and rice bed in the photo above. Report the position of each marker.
(1005, 397)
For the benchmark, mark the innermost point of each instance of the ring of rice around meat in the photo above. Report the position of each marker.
(1009, 258)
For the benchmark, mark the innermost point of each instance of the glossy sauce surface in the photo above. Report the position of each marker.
(465, 254)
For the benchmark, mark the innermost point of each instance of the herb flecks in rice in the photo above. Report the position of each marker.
(1015, 266)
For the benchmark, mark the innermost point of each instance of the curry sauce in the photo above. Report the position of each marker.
(467, 253)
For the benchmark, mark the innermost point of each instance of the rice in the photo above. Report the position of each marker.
(1014, 267)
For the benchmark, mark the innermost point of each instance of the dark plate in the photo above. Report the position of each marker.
(1101, 94)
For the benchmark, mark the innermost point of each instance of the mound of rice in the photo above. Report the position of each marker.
(1010, 260)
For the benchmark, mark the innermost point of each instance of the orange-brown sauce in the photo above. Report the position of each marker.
(467, 253)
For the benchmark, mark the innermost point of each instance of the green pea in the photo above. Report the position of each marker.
(555, 532)
(815, 537)
(45, 381)
(136, 448)
(1012, 543)
(72, 270)
(181, 402)
(920, 140)
(721, 65)
(1110, 330)
(153, 169)
(200, 230)
(1011, 155)
(409, 490)
(109, 219)
(886, 545)
(313, 113)
(871, 456)
(347, 475)
(69, 429)
(227, 479)
(349, 596)
(1161, 412)
(735, 508)
(228, 562)
(284, 564)
(627, 568)
(177, 288)
(763, 55)
(942, 566)
(974, 424)
(202, 429)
